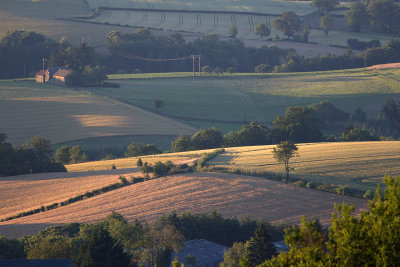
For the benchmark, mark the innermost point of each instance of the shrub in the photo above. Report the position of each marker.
(113, 167)
(139, 162)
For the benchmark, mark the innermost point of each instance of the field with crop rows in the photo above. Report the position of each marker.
(359, 165)
(28, 109)
(232, 195)
(260, 98)
(260, 6)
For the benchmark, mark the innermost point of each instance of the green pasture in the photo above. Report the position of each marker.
(28, 88)
(359, 165)
(228, 100)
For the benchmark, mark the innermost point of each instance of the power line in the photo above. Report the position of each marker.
(136, 57)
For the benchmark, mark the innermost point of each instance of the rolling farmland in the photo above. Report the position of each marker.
(359, 165)
(233, 195)
(28, 109)
(259, 98)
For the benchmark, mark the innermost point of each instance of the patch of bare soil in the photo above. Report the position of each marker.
(232, 195)
(384, 66)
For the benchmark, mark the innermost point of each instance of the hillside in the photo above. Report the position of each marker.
(233, 195)
(212, 100)
(28, 109)
(359, 165)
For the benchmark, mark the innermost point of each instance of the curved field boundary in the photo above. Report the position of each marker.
(232, 195)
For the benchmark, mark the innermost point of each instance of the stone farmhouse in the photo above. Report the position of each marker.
(53, 75)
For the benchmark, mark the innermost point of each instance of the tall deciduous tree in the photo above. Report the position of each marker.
(283, 153)
(326, 23)
(262, 30)
(382, 14)
(289, 23)
(357, 17)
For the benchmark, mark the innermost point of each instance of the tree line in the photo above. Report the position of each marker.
(32, 157)
(299, 124)
(114, 241)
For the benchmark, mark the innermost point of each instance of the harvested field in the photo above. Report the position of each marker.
(27, 192)
(177, 158)
(28, 109)
(232, 195)
(359, 165)
(384, 66)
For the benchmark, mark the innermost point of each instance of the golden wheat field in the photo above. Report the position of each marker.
(360, 165)
(65, 115)
(232, 195)
(177, 158)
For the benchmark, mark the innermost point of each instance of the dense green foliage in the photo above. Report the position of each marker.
(203, 139)
(70, 155)
(260, 246)
(215, 228)
(290, 24)
(11, 249)
(355, 134)
(139, 149)
(299, 124)
(215, 52)
(372, 239)
(30, 158)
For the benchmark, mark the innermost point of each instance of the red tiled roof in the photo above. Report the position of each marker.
(62, 72)
(41, 73)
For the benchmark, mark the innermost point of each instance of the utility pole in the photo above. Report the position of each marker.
(199, 66)
(194, 74)
(43, 61)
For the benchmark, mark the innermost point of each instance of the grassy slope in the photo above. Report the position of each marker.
(262, 98)
(360, 165)
(29, 109)
(233, 195)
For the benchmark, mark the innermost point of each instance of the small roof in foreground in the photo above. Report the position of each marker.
(206, 252)
(36, 263)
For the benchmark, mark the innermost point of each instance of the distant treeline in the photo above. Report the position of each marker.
(22, 54)
(301, 124)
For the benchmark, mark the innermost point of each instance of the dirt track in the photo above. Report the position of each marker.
(233, 195)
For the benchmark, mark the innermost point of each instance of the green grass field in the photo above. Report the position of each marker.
(260, 98)
(359, 165)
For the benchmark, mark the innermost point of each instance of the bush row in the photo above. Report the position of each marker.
(331, 188)
(104, 189)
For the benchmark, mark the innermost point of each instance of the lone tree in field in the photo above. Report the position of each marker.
(158, 103)
(262, 30)
(284, 152)
(326, 23)
(289, 23)
(233, 32)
